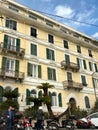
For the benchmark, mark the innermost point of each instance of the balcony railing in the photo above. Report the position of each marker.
(11, 74)
(12, 50)
(70, 65)
(70, 84)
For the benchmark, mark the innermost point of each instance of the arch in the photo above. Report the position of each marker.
(87, 103)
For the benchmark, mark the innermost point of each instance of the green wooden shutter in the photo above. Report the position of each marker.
(54, 74)
(84, 63)
(90, 66)
(40, 95)
(33, 49)
(3, 64)
(7, 22)
(67, 58)
(5, 41)
(49, 73)
(29, 68)
(48, 53)
(78, 63)
(17, 66)
(60, 99)
(39, 71)
(27, 95)
(16, 90)
(18, 45)
(1, 91)
(83, 80)
(96, 67)
(53, 56)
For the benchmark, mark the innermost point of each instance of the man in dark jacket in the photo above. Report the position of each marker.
(9, 115)
(40, 118)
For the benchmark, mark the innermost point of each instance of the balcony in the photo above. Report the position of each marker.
(12, 51)
(69, 66)
(9, 74)
(70, 84)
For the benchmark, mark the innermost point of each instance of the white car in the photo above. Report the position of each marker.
(94, 118)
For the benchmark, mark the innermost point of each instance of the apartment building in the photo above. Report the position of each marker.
(36, 49)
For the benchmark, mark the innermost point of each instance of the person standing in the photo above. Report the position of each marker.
(9, 115)
(40, 119)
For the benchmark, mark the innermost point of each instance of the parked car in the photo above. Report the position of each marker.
(94, 118)
(84, 123)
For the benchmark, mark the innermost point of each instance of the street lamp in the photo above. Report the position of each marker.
(95, 83)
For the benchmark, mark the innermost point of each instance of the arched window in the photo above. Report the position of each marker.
(33, 93)
(54, 99)
(87, 103)
(40, 94)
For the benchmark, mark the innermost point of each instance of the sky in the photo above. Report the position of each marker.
(82, 15)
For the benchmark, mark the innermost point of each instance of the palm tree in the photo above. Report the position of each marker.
(46, 98)
(11, 98)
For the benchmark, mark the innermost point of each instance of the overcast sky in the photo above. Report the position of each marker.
(85, 11)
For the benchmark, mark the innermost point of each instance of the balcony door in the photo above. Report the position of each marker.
(10, 67)
(11, 44)
(69, 76)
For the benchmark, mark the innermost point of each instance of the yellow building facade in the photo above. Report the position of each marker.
(36, 49)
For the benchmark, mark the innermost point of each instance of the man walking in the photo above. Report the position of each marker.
(9, 115)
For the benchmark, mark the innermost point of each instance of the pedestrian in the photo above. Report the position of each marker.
(9, 115)
(40, 119)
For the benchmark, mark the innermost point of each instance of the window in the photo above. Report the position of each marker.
(67, 58)
(34, 49)
(50, 38)
(54, 99)
(78, 49)
(10, 67)
(12, 24)
(81, 63)
(33, 93)
(87, 103)
(83, 78)
(93, 66)
(69, 76)
(49, 23)
(11, 43)
(34, 70)
(32, 17)
(50, 54)
(13, 8)
(65, 44)
(33, 32)
(90, 53)
(51, 74)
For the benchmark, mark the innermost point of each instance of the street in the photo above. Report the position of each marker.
(77, 129)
